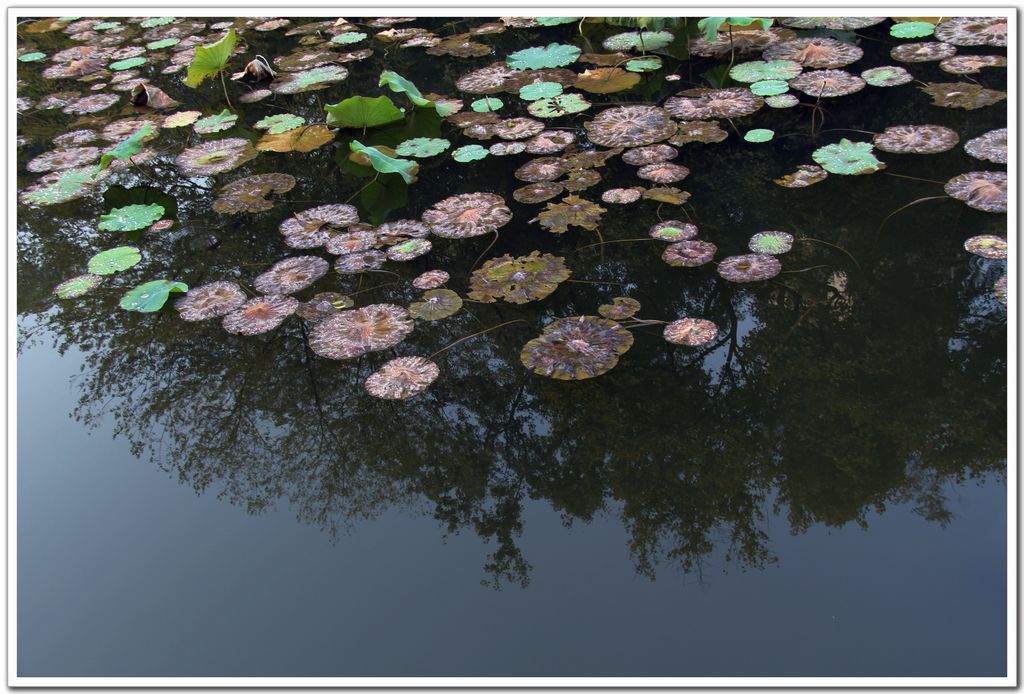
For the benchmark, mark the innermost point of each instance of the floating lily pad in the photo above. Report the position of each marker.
(781, 101)
(213, 124)
(886, 76)
(308, 80)
(151, 22)
(131, 217)
(963, 95)
(466, 215)
(982, 190)
(689, 253)
(77, 286)
(280, 123)
(754, 267)
(638, 41)
(409, 249)
(291, 275)
(759, 135)
(992, 146)
(127, 64)
(61, 186)
(422, 147)
(436, 304)
(606, 80)
(648, 64)
(488, 103)
(570, 211)
(916, 139)
(402, 378)
(539, 90)
(468, 153)
(211, 300)
(349, 37)
(771, 242)
(848, 158)
(769, 88)
(691, 332)
(673, 230)
(31, 57)
(630, 126)
(180, 119)
(760, 70)
(114, 260)
(355, 332)
(576, 348)
(260, 315)
(912, 30)
(518, 280)
(555, 106)
(620, 308)
(162, 43)
(215, 157)
(805, 175)
(988, 246)
(552, 55)
(151, 296)
(385, 164)
(431, 279)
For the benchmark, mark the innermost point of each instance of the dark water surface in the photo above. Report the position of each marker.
(821, 493)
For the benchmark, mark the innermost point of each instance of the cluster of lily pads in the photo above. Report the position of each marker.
(547, 102)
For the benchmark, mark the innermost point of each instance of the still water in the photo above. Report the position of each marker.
(820, 492)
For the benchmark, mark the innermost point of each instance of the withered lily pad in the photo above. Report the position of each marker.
(916, 139)
(805, 175)
(673, 230)
(754, 267)
(988, 246)
(700, 103)
(771, 242)
(431, 279)
(689, 253)
(576, 348)
(215, 157)
(518, 280)
(538, 192)
(436, 304)
(620, 308)
(630, 126)
(691, 332)
(570, 211)
(991, 146)
(302, 139)
(260, 315)
(323, 306)
(210, 301)
(355, 332)
(402, 378)
(607, 80)
(466, 215)
(291, 275)
(963, 95)
(249, 194)
(982, 190)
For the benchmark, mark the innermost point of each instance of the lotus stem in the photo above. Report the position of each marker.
(813, 267)
(372, 180)
(591, 245)
(489, 247)
(467, 337)
(225, 88)
(915, 178)
(934, 197)
(808, 238)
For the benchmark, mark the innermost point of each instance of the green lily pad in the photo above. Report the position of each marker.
(397, 83)
(769, 87)
(760, 70)
(131, 217)
(214, 124)
(759, 135)
(382, 163)
(469, 153)
(639, 41)
(555, 21)
(555, 106)
(848, 158)
(162, 43)
(280, 123)
(349, 37)
(155, 22)
(127, 64)
(77, 286)
(31, 57)
(114, 260)
(422, 147)
(912, 30)
(105, 26)
(151, 296)
(538, 57)
(648, 64)
(209, 61)
(886, 76)
(128, 147)
(539, 90)
(711, 25)
(488, 103)
(363, 112)
(67, 185)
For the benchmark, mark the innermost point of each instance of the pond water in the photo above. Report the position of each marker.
(819, 490)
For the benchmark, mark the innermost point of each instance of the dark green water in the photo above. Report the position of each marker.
(822, 486)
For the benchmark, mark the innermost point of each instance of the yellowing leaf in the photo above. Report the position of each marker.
(304, 139)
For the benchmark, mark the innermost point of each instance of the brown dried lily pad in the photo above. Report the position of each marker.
(518, 280)
(963, 95)
(468, 214)
(982, 190)
(305, 138)
(576, 348)
(916, 139)
(431, 279)
(630, 126)
(249, 194)
(355, 332)
(291, 275)
(210, 301)
(570, 211)
(402, 378)
(691, 332)
(753, 267)
(538, 192)
(805, 175)
(689, 253)
(606, 80)
(698, 131)
(260, 315)
(667, 194)
(620, 308)
(701, 103)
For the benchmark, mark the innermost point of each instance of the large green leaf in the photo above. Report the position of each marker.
(151, 296)
(537, 57)
(114, 260)
(128, 147)
(210, 60)
(382, 163)
(131, 217)
(363, 112)
(397, 83)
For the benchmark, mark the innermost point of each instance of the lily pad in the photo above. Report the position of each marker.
(539, 90)
(552, 55)
(305, 138)
(639, 41)
(31, 57)
(848, 158)
(620, 308)
(151, 296)
(761, 70)
(648, 64)
(216, 123)
(886, 76)
(769, 87)
(570, 211)
(436, 304)
(280, 123)
(518, 280)
(488, 103)
(576, 348)
(422, 147)
(606, 80)
(555, 106)
(912, 30)
(131, 217)
(759, 135)
(349, 37)
(77, 286)
(162, 43)
(127, 64)
(468, 153)
(114, 260)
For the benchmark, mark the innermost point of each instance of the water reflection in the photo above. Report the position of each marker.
(869, 374)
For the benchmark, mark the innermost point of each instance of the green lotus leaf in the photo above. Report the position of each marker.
(486, 104)
(128, 147)
(162, 43)
(131, 217)
(639, 41)
(648, 64)
(281, 123)
(348, 37)
(711, 25)
(209, 61)
(769, 87)
(912, 30)
(555, 106)
(363, 112)
(552, 55)
(539, 90)
(31, 57)
(68, 185)
(151, 296)
(555, 21)
(155, 22)
(422, 147)
(759, 135)
(470, 153)
(759, 70)
(105, 26)
(397, 83)
(382, 163)
(214, 124)
(114, 260)
(848, 158)
(127, 64)
(77, 286)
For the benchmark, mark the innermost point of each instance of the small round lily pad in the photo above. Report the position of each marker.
(912, 30)
(128, 63)
(469, 153)
(114, 260)
(759, 135)
(422, 147)
(769, 87)
(539, 90)
(31, 57)
(488, 103)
